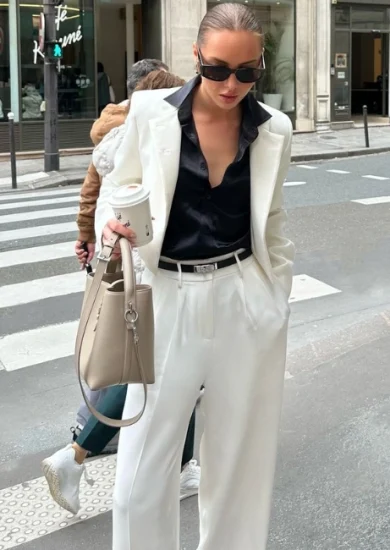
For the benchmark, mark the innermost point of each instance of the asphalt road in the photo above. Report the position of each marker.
(332, 484)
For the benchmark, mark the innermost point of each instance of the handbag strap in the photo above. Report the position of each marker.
(131, 316)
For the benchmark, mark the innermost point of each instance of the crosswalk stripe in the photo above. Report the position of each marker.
(338, 171)
(293, 183)
(37, 231)
(39, 214)
(41, 289)
(379, 178)
(28, 512)
(32, 204)
(39, 194)
(44, 253)
(39, 345)
(306, 288)
(372, 200)
(29, 348)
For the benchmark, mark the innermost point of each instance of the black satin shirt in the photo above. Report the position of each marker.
(205, 222)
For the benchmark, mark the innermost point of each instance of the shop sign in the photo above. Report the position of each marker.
(71, 38)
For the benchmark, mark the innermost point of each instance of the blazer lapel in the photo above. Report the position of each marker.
(166, 134)
(266, 153)
(166, 137)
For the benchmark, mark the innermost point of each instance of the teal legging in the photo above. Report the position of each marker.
(95, 435)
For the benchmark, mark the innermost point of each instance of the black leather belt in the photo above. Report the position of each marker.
(204, 268)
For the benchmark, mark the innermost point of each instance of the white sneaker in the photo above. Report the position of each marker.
(63, 474)
(189, 480)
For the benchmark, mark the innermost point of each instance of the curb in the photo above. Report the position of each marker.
(31, 155)
(339, 154)
(58, 180)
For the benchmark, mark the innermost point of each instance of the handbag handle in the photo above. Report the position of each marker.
(131, 316)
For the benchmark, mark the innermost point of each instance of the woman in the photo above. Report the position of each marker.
(221, 270)
(64, 469)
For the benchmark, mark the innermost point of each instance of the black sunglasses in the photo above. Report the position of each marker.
(219, 73)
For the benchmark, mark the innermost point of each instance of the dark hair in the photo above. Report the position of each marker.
(229, 16)
(158, 80)
(141, 69)
(100, 67)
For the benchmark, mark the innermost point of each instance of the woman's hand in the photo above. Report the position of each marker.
(84, 257)
(113, 226)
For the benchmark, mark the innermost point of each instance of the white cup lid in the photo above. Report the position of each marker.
(127, 195)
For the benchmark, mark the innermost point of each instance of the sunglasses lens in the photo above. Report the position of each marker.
(215, 72)
(247, 75)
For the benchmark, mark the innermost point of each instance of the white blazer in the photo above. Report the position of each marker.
(150, 154)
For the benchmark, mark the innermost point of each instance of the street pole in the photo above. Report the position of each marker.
(52, 159)
(12, 149)
(365, 123)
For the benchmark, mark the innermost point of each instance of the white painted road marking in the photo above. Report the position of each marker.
(31, 204)
(29, 348)
(372, 200)
(37, 231)
(379, 178)
(293, 183)
(307, 166)
(39, 345)
(39, 214)
(41, 289)
(28, 512)
(338, 171)
(38, 254)
(39, 194)
(306, 288)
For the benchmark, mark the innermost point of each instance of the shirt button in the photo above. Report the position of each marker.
(203, 166)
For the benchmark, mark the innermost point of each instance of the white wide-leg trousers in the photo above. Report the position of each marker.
(226, 330)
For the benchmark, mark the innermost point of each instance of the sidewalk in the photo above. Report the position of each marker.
(306, 147)
(339, 143)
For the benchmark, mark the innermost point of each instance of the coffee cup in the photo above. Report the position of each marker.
(132, 208)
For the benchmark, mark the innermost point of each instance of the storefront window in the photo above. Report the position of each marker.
(5, 95)
(277, 87)
(76, 80)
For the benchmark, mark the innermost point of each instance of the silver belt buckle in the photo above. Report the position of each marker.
(205, 268)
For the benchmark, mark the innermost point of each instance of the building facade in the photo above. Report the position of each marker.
(325, 59)
(330, 57)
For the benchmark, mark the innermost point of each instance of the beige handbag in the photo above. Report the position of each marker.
(115, 338)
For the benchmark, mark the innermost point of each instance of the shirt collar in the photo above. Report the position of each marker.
(254, 114)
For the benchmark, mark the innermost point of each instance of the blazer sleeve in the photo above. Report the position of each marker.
(280, 249)
(127, 170)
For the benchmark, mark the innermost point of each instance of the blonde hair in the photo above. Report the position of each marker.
(229, 16)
